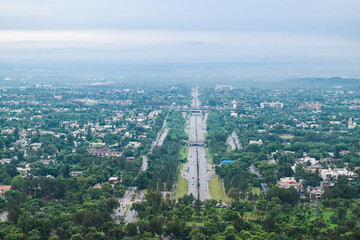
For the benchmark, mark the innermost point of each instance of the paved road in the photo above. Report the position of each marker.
(4, 216)
(204, 166)
(145, 165)
(192, 176)
(197, 155)
(230, 141)
(124, 211)
(264, 186)
(192, 168)
(234, 141)
(125, 202)
(158, 136)
(163, 136)
(237, 141)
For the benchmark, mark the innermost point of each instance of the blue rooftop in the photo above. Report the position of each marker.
(226, 161)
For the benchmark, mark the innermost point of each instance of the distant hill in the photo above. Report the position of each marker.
(321, 82)
(308, 83)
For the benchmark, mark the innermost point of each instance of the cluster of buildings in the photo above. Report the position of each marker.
(276, 104)
(311, 106)
(104, 152)
(46, 136)
(329, 176)
(220, 87)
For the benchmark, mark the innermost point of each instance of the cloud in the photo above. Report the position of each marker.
(172, 45)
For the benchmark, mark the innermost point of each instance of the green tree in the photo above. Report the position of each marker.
(196, 234)
(76, 237)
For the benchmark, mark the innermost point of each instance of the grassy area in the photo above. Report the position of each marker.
(184, 152)
(144, 192)
(217, 191)
(208, 155)
(127, 208)
(286, 136)
(186, 127)
(326, 216)
(181, 187)
(256, 190)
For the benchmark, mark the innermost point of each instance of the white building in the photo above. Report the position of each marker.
(276, 104)
(331, 175)
(351, 124)
(260, 142)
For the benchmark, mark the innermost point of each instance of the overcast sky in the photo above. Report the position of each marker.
(180, 31)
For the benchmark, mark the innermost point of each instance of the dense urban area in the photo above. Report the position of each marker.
(102, 161)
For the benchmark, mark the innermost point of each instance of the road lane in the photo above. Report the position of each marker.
(192, 168)
(197, 165)
(264, 186)
(163, 136)
(126, 202)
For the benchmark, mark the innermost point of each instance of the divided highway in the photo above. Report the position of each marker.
(197, 165)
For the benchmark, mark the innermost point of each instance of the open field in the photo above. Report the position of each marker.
(181, 187)
(208, 155)
(144, 192)
(256, 190)
(184, 152)
(217, 191)
(286, 136)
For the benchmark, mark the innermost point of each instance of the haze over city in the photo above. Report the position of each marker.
(264, 39)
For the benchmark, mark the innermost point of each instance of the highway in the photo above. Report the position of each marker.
(124, 212)
(197, 165)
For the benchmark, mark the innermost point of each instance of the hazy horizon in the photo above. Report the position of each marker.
(297, 39)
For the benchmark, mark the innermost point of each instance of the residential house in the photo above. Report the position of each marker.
(134, 144)
(315, 193)
(3, 189)
(288, 182)
(75, 173)
(260, 142)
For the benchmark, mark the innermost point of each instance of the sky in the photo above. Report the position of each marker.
(186, 31)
